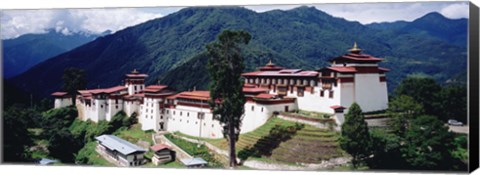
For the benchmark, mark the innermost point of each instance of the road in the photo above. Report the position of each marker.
(459, 129)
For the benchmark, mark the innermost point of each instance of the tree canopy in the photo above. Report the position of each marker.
(225, 67)
(73, 80)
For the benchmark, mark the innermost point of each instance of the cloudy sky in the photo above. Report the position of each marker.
(18, 22)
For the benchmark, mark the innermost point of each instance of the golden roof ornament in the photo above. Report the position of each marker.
(355, 48)
(134, 71)
(270, 63)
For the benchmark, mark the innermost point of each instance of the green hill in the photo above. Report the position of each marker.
(170, 49)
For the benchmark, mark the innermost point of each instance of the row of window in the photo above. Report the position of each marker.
(330, 93)
(282, 81)
(253, 108)
(196, 122)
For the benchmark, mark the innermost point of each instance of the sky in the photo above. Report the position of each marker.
(18, 22)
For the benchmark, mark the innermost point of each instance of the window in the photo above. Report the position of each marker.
(116, 101)
(253, 107)
(188, 114)
(322, 93)
(300, 91)
(101, 106)
(116, 106)
(180, 113)
(262, 109)
(151, 117)
(187, 121)
(212, 125)
(167, 111)
(173, 112)
(204, 124)
(161, 117)
(330, 95)
(135, 88)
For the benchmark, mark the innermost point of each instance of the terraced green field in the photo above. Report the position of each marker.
(285, 141)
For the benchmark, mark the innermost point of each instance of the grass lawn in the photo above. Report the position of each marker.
(194, 150)
(93, 157)
(173, 164)
(306, 144)
(134, 134)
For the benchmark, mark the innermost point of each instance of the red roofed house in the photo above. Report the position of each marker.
(162, 153)
(62, 99)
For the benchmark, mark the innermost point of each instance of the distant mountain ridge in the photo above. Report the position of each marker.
(25, 51)
(433, 24)
(171, 49)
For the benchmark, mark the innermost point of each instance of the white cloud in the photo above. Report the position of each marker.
(19, 22)
(460, 10)
(264, 8)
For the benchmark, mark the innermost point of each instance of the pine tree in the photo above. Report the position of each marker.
(355, 136)
(225, 67)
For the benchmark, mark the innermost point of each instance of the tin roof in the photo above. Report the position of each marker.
(115, 143)
(194, 161)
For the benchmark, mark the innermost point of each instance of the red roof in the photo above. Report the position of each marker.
(106, 90)
(59, 94)
(337, 107)
(270, 68)
(343, 69)
(114, 89)
(137, 75)
(159, 147)
(265, 96)
(283, 73)
(383, 69)
(196, 95)
(154, 88)
(357, 57)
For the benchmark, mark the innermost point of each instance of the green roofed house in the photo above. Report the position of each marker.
(121, 151)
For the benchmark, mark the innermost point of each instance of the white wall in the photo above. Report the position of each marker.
(370, 93)
(132, 90)
(62, 102)
(314, 102)
(259, 115)
(130, 107)
(188, 122)
(149, 114)
(113, 108)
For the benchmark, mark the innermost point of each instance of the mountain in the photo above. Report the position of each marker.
(171, 49)
(23, 52)
(433, 24)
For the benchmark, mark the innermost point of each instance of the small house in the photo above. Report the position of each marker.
(121, 151)
(162, 154)
(194, 163)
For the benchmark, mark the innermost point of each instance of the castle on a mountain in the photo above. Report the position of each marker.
(353, 77)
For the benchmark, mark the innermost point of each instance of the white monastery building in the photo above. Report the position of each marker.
(353, 77)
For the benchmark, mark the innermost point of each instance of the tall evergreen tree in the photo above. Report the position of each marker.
(74, 80)
(355, 136)
(225, 66)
